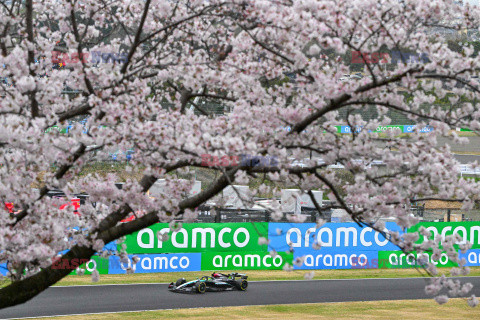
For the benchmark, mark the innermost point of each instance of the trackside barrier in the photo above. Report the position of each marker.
(245, 261)
(342, 245)
(152, 263)
(198, 237)
(269, 246)
(397, 128)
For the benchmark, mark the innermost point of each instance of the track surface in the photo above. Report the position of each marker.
(114, 298)
(467, 158)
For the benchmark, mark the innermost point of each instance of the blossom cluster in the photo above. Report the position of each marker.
(186, 58)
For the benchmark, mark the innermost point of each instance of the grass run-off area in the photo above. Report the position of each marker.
(253, 275)
(404, 309)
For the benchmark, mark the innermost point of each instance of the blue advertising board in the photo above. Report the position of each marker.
(472, 256)
(343, 245)
(342, 236)
(410, 128)
(111, 246)
(152, 263)
(348, 129)
(3, 269)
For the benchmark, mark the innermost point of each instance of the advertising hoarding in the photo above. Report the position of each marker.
(255, 260)
(342, 236)
(152, 263)
(199, 237)
(468, 231)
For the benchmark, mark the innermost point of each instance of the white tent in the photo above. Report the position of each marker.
(293, 200)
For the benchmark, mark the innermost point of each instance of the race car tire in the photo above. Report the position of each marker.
(180, 282)
(200, 287)
(242, 285)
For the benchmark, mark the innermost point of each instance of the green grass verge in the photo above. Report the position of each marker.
(253, 275)
(405, 309)
(466, 134)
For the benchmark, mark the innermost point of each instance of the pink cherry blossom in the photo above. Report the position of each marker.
(309, 275)
(442, 299)
(263, 241)
(472, 301)
(226, 79)
(95, 276)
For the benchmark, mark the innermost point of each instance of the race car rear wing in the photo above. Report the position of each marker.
(238, 275)
(232, 275)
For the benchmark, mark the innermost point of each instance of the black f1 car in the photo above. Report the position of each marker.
(215, 282)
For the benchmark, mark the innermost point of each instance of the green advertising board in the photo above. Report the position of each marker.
(96, 262)
(253, 260)
(468, 231)
(51, 128)
(198, 237)
(400, 260)
(389, 128)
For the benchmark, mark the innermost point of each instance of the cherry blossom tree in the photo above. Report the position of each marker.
(154, 60)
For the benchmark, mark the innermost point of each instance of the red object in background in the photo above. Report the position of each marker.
(9, 206)
(130, 218)
(75, 202)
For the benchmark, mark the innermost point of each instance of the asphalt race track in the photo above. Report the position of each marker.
(466, 158)
(114, 298)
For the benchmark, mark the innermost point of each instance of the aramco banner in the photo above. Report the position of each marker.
(96, 262)
(468, 231)
(472, 256)
(152, 263)
(336, 236)
(332, 246)
(198, 237)
(235, 246)
(399, 260)
(245, 261)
